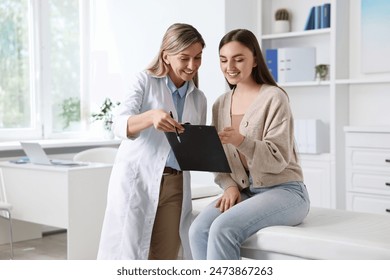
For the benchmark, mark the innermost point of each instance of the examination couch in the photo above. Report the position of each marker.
(325, 234)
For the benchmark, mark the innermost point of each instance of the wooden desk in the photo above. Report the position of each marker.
(73, 198)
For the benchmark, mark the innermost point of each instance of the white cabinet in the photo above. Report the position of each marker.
(316, 171)
(368, 169)
(313, 99)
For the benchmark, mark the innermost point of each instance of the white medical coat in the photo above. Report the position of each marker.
(134, 186)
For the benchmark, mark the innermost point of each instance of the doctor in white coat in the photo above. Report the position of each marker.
(149, 207)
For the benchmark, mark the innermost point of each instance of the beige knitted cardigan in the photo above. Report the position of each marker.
(269, 147)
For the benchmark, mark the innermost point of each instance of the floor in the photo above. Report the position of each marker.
(51, 246)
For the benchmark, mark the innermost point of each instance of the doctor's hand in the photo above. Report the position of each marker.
(164, 122)
(230, 197)
(229, 135)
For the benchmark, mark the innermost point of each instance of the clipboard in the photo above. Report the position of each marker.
(200, 149)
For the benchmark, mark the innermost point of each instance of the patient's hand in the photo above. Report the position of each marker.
(230, 197)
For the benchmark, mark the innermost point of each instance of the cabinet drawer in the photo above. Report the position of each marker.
(369, 159)
(369, 182)
(368, 203)
(368, 139)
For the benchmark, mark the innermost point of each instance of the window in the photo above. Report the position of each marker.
(40, 84)
(15, 95)
(64, 64)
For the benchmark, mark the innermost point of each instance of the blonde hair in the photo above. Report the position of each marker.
(177, 38)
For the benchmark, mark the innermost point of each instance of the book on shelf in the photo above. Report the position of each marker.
(325, 15)
(271, 58)
(296, 64)
(319, 17)
(310, 20)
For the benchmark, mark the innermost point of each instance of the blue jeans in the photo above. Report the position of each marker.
(218, 236)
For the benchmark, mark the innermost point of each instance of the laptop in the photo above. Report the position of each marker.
(37, 155)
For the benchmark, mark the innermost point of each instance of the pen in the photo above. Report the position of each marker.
(177, 133)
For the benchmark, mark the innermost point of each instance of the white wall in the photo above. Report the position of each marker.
(242, 14)
(368, 103)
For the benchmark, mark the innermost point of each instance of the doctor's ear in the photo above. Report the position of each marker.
(165, 58)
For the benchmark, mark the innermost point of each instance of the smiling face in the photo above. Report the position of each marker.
(236, 62)
(184, 65)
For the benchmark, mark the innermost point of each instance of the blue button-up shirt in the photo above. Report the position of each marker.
(179, 97)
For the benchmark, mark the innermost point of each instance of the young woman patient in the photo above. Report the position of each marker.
(255, 125)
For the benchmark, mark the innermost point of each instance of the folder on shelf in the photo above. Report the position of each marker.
(200, 149)
(271, 56)
(311, 136)
(296, 64)
(325, 15)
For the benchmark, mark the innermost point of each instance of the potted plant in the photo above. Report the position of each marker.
(282, 21)
(322, 71)
(70, 111)
(105, 115)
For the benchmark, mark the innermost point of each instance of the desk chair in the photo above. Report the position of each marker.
(103, 155)
(5, 211)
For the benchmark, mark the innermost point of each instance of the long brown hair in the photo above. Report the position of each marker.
(178, 37)
(260, 73)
